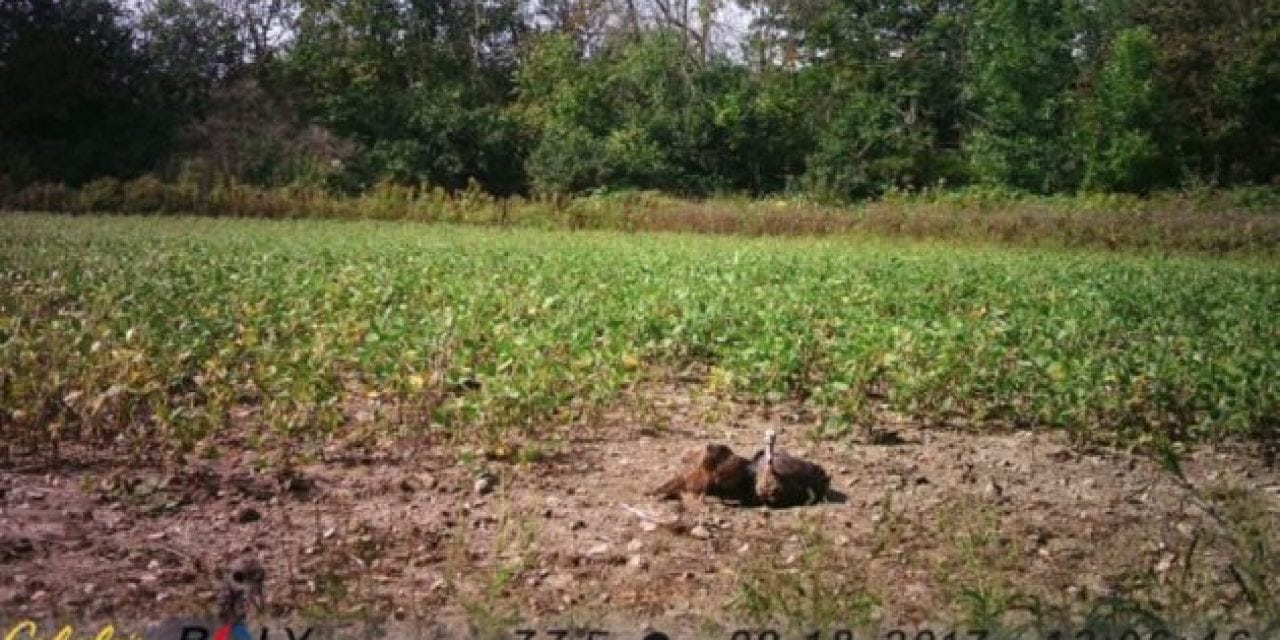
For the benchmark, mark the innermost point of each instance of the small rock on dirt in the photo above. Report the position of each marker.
(700, 532)
(299, 485)
(485, 484)
(247, 515)
(11, 548)
(1061, 454)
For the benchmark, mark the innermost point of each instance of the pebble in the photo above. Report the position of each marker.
(485, 484)
(247, 515)
(700, 532)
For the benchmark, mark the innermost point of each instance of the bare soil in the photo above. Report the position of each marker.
(412, 533)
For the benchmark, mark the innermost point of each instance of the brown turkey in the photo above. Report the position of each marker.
(783, 480)
(717, 472)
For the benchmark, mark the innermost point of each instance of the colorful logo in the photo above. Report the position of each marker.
(29, 630)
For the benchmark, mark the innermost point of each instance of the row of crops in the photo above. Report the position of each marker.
(162, 331)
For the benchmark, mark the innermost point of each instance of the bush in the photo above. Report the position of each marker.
(145, 195)
(102, 194)
(567, 161)
(1121, 123)
(1259, 197)
(42, 196)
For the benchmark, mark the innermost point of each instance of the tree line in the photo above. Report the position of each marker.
(836, 99)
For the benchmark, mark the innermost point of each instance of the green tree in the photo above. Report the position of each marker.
(419, 85)
(1018, 76)
(193, 46)
(77, 99)
(884, 91)
(1219, 66)
(1120, 122)
(646, 112)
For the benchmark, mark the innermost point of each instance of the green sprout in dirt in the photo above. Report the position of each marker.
(817, 589)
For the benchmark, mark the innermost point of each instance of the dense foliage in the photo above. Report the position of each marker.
(166, 331)
(836, 99)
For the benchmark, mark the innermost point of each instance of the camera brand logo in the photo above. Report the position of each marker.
(237, 631)
(29, 630)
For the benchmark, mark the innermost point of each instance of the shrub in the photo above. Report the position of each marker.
(42, 196)
(1259, 197)
(102, 194)
(145, 195)
(567, 161)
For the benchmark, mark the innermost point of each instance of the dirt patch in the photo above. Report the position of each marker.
(933, 525)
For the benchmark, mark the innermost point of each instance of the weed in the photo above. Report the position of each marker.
(818, 589)
(481, 591)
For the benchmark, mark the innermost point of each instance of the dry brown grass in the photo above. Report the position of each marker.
(1214, 222)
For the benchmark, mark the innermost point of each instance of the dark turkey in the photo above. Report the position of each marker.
(783, 480)
(718, 472)
(240, 588)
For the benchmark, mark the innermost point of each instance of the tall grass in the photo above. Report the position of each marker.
(1241, 220)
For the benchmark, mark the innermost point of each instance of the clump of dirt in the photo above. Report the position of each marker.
(931, 525)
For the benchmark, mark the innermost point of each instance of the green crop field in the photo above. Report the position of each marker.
(157, 331)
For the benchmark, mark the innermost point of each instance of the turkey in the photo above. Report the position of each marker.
(241, 587)
(718, 472)
(783, 480)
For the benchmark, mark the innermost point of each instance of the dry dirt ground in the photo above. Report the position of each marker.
(936, 525)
